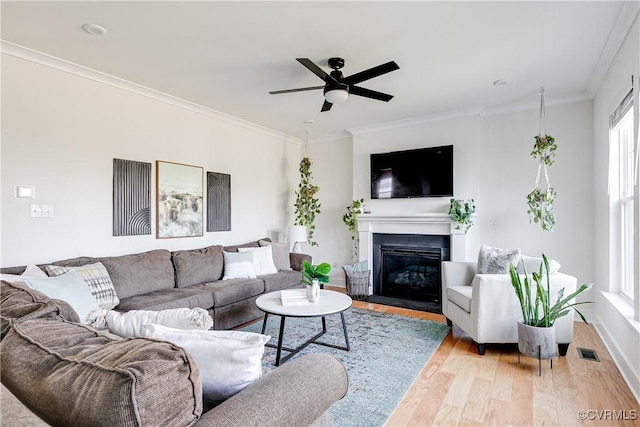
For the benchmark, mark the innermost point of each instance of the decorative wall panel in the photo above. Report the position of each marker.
(218, 201)
(131, 198)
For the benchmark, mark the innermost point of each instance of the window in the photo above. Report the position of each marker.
(622, 171)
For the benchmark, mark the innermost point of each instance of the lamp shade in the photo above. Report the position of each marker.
(298, 233)
(336, 96)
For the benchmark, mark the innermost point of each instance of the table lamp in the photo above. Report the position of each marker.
(297, 235)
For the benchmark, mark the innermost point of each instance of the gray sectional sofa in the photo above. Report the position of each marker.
(160, 280)
(58, 371)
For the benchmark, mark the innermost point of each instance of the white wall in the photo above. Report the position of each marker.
(492, 164)
(615, 320)
(332, 172)
(60, 133)
(507, 174)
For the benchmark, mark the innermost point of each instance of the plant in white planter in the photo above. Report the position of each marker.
(312, 276)
(536, 335)
(460, 211)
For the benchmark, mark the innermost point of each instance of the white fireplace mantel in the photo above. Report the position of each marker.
(427, 224)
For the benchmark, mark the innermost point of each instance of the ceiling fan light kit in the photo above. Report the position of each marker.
(337, 88)
(336, 96)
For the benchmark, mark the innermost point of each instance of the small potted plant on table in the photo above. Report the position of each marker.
(313, 276)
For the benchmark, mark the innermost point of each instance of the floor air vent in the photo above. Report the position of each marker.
(588, 354)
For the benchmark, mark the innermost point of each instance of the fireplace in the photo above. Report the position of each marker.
(414, 230)
(406, 270)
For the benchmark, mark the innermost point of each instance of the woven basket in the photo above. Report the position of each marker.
(358, 284)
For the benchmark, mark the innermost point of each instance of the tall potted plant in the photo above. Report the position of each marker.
(307, 204)
(536, 335)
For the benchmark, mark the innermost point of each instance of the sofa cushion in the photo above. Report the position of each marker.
(97, 279)
(254, 244)
(76, 262)
(495, 260)
(130, 324)
(532, 263)
(280, 252)
(70, 374)
(167, 299)
(138, 274)
(69, 287)
(262, 260)
(19, 302)
(228, 360)
(460, 296)
(29, 271)
(281, 280)
(238, 265)
(229, 291)
(198, 265)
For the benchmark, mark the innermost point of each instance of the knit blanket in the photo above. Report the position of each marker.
(130, 324)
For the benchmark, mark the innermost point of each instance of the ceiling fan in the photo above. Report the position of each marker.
(337, 87)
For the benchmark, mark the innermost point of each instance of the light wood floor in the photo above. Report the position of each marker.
(459, 387)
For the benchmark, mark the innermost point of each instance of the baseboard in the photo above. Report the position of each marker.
(624, 366)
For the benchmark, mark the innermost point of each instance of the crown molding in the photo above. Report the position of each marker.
(464, 112)
(535, 104)
(629, 12)
(63, 65)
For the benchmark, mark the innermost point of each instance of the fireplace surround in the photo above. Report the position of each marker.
(405, 253)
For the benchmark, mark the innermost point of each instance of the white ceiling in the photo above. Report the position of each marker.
(227, 56)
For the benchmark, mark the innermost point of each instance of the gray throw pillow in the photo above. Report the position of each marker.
(280, 253)
(495, 260)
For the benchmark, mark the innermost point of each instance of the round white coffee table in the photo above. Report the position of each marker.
(330, 302)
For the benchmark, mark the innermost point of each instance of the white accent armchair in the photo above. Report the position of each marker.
(485, 306)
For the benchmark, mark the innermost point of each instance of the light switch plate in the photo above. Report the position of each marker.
(25, 192)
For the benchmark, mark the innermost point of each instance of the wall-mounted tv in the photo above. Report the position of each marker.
(424, 172)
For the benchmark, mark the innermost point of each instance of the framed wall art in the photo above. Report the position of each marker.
(180, 205)
(218, 201)
(131, 198)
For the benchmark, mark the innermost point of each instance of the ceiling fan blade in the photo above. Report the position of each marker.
(315, 69)
(368, 93)
(326, 106)
(371, 73)
(276, 92)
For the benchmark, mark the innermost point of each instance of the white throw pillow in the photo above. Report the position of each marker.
(130, 324)
(280, 251)
(238, 265)
(532, 264)
(228, 360)
(262, 260)
(495, 260)
(69, 287)
(97, 279)
(32, 270)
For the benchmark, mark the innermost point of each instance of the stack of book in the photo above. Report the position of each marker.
(294, 297)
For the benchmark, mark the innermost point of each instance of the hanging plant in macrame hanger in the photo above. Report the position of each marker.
(541, 198)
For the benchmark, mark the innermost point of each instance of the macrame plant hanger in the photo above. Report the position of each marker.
(541, 198)
(542, 132)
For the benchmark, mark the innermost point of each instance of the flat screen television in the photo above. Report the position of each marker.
(424, 172)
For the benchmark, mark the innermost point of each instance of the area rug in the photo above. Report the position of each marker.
(387, 354)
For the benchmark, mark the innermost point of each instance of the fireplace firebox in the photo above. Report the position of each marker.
(406, 270)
